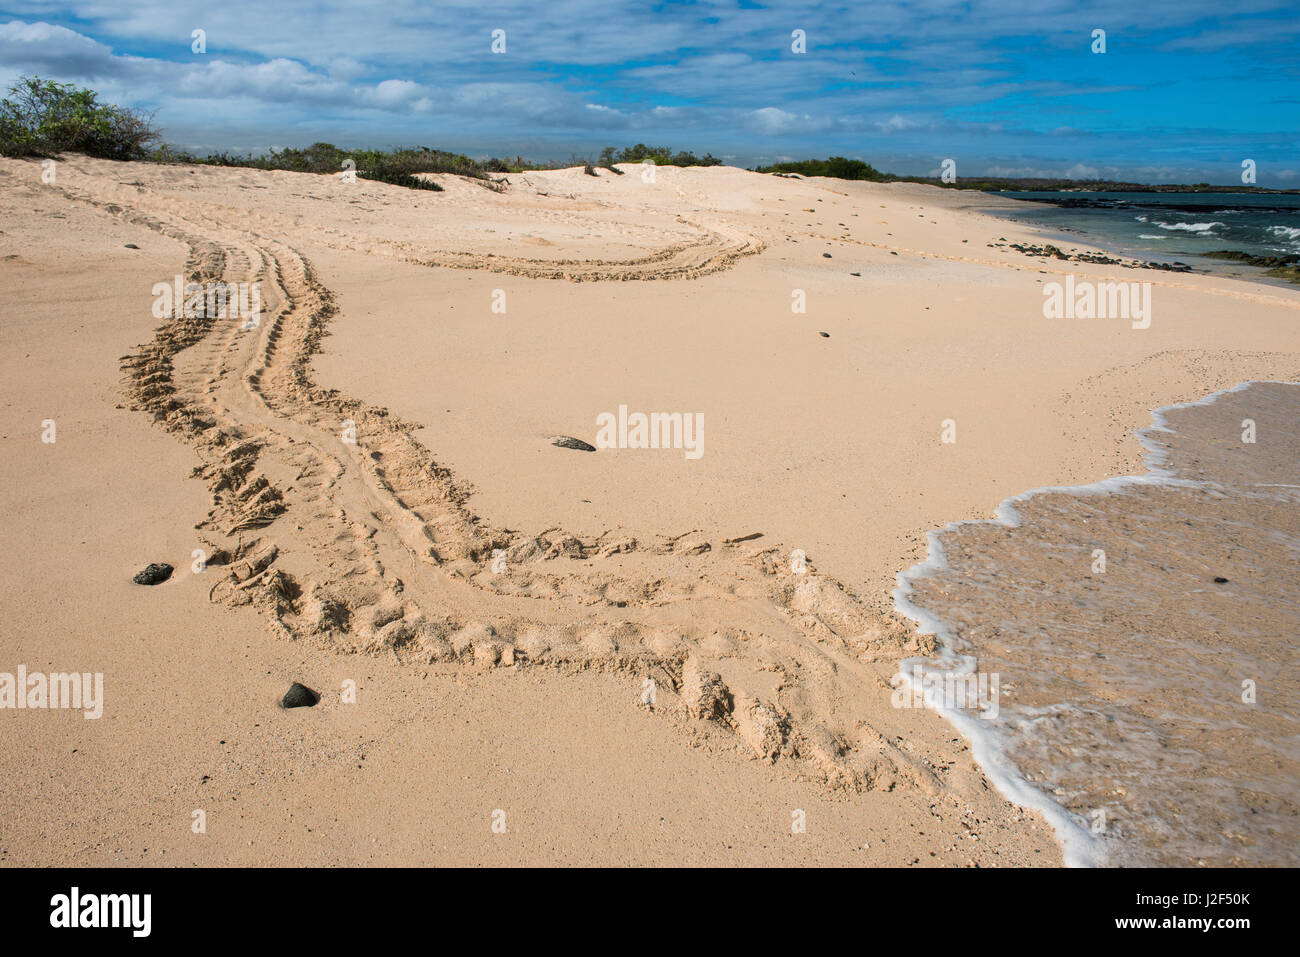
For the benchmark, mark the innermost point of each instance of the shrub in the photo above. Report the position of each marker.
(399, 179)
(607, 160)
(44, 118)
(837, 167)
(662, 156)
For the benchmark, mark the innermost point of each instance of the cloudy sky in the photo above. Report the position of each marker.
(1184, 91)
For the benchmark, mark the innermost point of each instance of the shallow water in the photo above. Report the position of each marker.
(1125, 707)
(1171, 227)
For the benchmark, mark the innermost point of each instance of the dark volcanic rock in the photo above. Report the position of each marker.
(1283, 267)
(1220, 580)
(153, 574)
(299, 696)
(1053, 252)
(569, 442)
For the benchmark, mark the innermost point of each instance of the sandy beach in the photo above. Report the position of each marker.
(620, 657)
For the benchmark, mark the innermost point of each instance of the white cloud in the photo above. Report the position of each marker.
(909, 83)
(773, 121)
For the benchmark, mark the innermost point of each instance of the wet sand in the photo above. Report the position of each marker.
(1143, 632)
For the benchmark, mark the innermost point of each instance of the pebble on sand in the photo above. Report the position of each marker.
(299, 696)
(569, 442)
(153, 574)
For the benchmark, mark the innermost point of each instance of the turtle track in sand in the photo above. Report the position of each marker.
(369, 546)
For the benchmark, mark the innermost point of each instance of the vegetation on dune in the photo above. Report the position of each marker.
(397, 166)
(607, 160)
(44, 118)
(659, 155)
(400, 165)
(398, 178)
(836, 167)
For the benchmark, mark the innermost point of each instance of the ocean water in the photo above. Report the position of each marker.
(1170, 227)
(1142, 636)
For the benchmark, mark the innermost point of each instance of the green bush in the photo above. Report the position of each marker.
(607, 160)
(399, 179)
(44, 118)
(837, 167)
(397, 166)
(660, 155)
(420, 159)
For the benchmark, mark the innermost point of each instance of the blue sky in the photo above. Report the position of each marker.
(1184, 92)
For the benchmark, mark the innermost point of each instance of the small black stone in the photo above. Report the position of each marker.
(569, 442)
(299, 696)
(826, 255)
(132, 246)
(825, 335)
(153, 574)
(1220, 580)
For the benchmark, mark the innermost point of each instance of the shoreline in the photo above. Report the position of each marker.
(1079, 847)
(1200, 263)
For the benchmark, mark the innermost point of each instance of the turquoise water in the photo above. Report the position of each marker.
(1169, 227)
